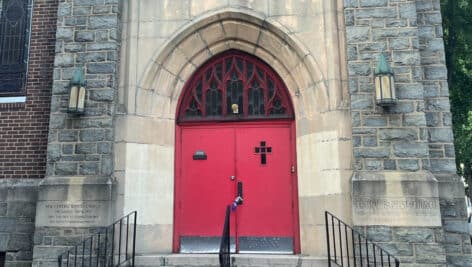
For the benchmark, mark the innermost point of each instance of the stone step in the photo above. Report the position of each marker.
(237, 260)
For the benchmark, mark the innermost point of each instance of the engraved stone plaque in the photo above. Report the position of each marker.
(396, 211)
(74, 202)
(72, 214)
(395, 199)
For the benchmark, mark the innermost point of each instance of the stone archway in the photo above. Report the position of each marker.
(323, 125)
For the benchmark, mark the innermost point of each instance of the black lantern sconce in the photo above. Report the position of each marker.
(384, 83)
(77, 93)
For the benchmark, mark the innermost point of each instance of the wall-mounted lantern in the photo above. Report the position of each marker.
(384, 83)
(77, 93)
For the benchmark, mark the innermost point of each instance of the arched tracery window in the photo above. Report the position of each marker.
(235, 86)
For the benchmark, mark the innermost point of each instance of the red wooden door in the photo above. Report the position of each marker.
(205, 187)
(214, 160)
(263, 165)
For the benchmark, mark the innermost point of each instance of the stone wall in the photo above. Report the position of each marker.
(80, 147)
(164, 42)
(17, 212)
(440, 136)
(87, 37)
(413, 137)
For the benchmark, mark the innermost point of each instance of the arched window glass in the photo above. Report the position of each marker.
(235, 86)
(14, 42)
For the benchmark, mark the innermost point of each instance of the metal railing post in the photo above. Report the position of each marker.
(119, 243)
(127, 235)
(98, 250)
(327, 239)
(113, 246)
(94, 243)
(340, 243)
(134, 235)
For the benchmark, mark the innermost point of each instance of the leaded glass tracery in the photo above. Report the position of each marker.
(14, 42)
(235, 86)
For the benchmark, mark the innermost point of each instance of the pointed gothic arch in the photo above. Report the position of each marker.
(234, 86)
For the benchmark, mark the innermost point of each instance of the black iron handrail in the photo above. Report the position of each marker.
(225, 252)
(113, 246)
(351, 248)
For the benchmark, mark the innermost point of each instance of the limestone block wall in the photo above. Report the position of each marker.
(164, 42)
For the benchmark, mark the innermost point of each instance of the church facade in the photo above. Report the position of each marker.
(190, 105)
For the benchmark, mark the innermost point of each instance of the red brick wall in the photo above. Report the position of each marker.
(24, 127)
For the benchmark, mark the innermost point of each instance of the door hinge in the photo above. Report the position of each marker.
(292, 169)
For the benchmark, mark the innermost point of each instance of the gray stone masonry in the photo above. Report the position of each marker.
(80, 147)
(413, 246)
(17, 212)
(88, 36)
(415, 134)
(386, 138)
(438, 121)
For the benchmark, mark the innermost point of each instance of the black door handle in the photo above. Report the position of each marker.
(240, 192)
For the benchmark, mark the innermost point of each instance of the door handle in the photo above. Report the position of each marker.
(240, 192)
(239, 198)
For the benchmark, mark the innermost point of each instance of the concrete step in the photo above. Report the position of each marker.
(237, 260)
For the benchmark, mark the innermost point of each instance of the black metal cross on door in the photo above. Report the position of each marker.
(263, 150)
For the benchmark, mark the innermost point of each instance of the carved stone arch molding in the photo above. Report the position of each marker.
(228, 29)
(145, 131)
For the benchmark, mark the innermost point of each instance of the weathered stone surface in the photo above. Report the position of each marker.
(372, 152)
(440, 135)
(64, 60)
(101, 68)
(89, 168)
(54, 152)
(398, 134)
(376, 13)
(373, 3)
(21, 209)
(373, 164)
(64, 168)
(104, 148)
(20, 242)
(90, 57)
(443, 165)
(357, 34)
(414, 120)
(416, 150)
(390, 165)
(414, 235)
(91, 135)
(64, 33)
(7, 224)
(362, 102)
(379, 233)
(438, 105)
(375, 121)
(84, 36)
(408, 164)
(68, 136)
(398, 249)
(86, 148)
(370, 141)
(430, 253)
(102, 95)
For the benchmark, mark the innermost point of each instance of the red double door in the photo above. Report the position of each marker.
(211, 162)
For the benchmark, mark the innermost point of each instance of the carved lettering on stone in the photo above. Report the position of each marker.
(76, 214)
(400, 211)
